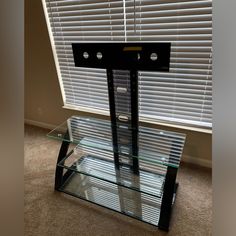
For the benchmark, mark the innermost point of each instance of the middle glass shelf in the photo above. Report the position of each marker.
(100, 164)
(154, 145)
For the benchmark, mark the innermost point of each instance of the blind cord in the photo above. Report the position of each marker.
(124, 12)
(135, 16)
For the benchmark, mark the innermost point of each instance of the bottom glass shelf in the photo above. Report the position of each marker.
(132, 203)
(92, 162)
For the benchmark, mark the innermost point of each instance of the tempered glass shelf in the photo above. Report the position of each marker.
(126, 201)
(155, 146)
(99, 164)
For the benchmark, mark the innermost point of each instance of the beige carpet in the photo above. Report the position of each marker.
(53, 213)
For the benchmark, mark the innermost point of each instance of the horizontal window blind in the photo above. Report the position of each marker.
(183, 95)
(84, 21)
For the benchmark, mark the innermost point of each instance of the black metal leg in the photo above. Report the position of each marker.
(59, 170)
(176, 187)
(175, 192)
(167, 199)
(170, 189)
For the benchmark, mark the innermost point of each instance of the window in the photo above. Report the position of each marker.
(181, 96)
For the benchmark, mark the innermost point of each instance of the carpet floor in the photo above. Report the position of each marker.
(49, 213)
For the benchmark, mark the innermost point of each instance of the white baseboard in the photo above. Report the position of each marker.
(185, 158)
(197, 161)
(40, 124)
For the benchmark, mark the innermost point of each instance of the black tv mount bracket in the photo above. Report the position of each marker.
(122, 62)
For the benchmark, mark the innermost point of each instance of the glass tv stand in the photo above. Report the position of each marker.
(88, 171)
(118, 163)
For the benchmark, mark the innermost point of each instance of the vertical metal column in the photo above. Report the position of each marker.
(134, 118)
(113, 116)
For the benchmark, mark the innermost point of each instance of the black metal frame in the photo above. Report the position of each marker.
(123, 56)
(134, 118)
(131, 57)
(113, 116)
(170, 188)
(61, 178)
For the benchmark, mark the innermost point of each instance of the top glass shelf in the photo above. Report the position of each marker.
(155, 145)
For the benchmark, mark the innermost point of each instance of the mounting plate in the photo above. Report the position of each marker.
(136, 56)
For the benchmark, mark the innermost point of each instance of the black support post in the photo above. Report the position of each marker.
(113, 116)
(134, 118)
